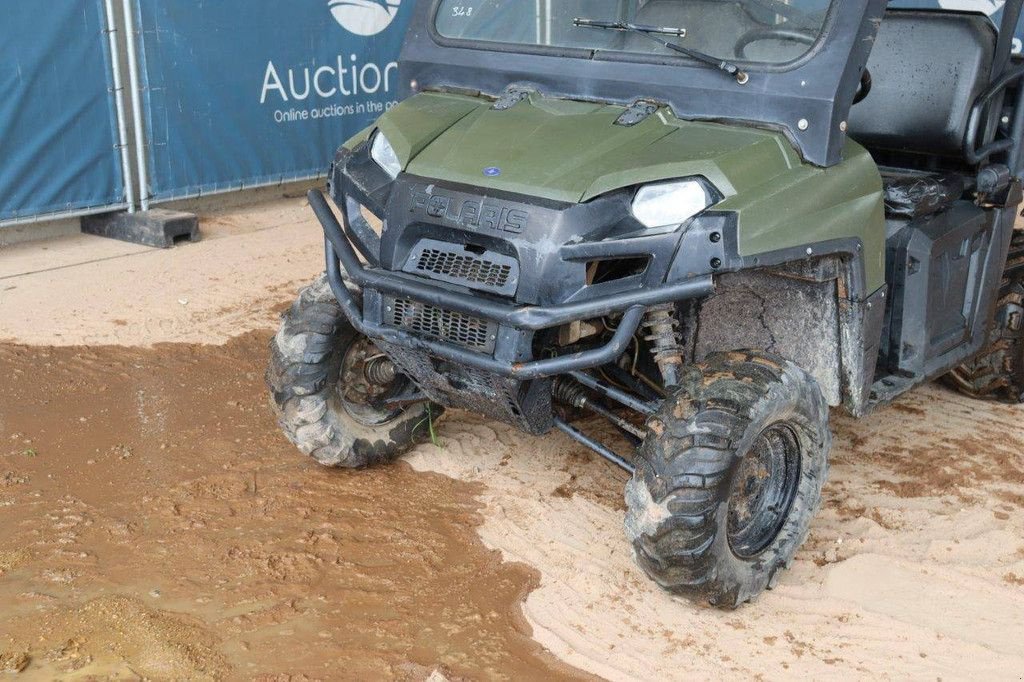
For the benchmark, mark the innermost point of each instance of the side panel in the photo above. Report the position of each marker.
(945, 271)
(810, 206)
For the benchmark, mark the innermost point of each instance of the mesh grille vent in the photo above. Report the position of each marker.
(464, 267)
(446, 325)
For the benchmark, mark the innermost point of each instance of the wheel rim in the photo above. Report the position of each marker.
(360, 397)
(763, 491)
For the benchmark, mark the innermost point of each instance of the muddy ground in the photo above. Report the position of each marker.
(153, 524)
(156, 525)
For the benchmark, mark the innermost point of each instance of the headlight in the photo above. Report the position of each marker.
(670, 204)
(384, 154)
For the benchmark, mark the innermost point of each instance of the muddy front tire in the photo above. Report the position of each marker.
(729, 477)
(998, 373)
(322, 399)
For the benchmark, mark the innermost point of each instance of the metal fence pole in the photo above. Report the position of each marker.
(136, 86)
(122, 124)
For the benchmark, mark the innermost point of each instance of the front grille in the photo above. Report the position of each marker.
(446, 325)
(465, 267)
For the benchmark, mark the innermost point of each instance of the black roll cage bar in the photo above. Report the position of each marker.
(982, 140)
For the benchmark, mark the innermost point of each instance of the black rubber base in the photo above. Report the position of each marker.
(157, 227)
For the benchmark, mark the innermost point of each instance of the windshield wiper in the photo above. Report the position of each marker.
(648, 32)
(625, 26)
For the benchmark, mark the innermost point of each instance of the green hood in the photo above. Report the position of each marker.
(573, 151)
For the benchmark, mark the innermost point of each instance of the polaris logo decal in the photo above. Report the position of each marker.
(364, 17)
(492, 171)
(470, 213)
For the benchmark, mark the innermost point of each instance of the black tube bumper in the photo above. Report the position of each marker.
(341, 256)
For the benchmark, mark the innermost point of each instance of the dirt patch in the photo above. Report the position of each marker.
(84, 290)
(156, 525)
(10, 559)
(110, 636)
(903, 575)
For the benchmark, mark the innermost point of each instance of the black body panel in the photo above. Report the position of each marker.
(945, 271)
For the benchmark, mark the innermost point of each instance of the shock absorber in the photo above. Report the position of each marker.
(666, 344)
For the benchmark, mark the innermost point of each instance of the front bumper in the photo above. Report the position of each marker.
(341, 257)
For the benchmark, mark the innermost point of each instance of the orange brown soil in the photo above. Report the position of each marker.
(156, 525)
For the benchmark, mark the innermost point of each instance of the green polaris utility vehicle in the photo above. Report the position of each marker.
(704, 221)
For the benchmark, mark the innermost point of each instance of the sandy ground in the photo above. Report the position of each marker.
(85, 290)
(914, 568)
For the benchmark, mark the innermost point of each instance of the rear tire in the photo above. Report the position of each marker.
(729, 477)
(314, 351)
(998, 373)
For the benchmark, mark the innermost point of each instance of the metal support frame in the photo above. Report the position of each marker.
(136, 87)
(612, 393)
(280, 182)
(632, 431)
(340, 255)
(589, 442)
(122, 123)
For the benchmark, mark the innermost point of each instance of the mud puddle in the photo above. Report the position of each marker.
(154, 524)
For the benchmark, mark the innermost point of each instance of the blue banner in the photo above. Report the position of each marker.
(242, 93)
(58, 131)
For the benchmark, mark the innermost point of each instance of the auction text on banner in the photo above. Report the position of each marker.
(243, 93)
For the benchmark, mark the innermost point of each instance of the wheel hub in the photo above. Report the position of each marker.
(366, 380)
(763, 490)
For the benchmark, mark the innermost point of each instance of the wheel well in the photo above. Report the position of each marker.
(792, 311)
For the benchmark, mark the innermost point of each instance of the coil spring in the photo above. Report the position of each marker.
(380, 370)
(662, 331)
(569, 392)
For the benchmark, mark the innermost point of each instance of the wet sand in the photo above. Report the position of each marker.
(156, 525)
(226, 552)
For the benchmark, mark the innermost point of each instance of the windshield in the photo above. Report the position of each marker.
(763, 31)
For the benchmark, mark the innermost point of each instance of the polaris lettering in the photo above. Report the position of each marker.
(471, 213)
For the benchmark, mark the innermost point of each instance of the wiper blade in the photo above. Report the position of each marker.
(625, 26)
(648, 32)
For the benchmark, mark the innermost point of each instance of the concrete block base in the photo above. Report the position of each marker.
(157, 227)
